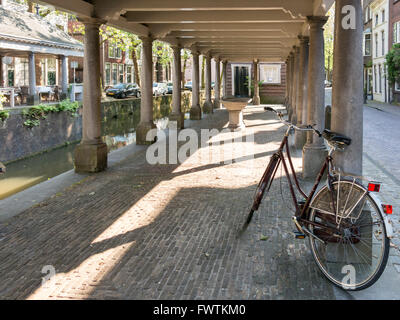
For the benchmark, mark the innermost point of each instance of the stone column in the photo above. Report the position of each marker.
(286, 81)
(33, 97)
(1, 72)
(177, 114)
(208, 106)
(195, 110)
(300, 137)
(290, 84)
(295, 82)
(146, 107)
(217, 87)
(314, 152)
(91, 153)
(64, 77)
(224, 79)
(256, 97)
(347, 88)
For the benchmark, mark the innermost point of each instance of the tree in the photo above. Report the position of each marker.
(185, 56)
(123, 40)
(329, 39)
(203, 84)
(163, 54)
(393, 64)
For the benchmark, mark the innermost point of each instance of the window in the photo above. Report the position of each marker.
(114, 73)
(396, 86)
(51, 72)
(114, 51)
(383, 43)
(121, 73)
(108, 74)
(10, 76)
(376, 20)
(111, 53)
(270, 73)
(380, 79)
(383, 15)
(118, 53)
(396, 32)
(375, 80)
(367, 44)
(376, 45)
(129, 77)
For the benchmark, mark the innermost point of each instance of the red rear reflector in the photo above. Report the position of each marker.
(374, 187)
(387, 208)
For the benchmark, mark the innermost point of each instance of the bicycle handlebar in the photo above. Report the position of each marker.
(291, 125)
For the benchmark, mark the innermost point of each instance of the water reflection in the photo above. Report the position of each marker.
(118, 131)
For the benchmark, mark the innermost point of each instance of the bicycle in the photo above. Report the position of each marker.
(347, 225)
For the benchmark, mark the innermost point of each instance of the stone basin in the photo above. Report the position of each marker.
(235, 108)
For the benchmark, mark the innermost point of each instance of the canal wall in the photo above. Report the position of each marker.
(18, 141)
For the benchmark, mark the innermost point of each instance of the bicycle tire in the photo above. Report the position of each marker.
(265, 181)
(317, 210)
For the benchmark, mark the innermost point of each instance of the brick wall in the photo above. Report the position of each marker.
(269, 91)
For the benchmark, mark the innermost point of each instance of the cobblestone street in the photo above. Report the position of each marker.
(141, 231)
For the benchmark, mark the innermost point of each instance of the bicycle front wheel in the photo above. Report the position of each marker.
(350, 246)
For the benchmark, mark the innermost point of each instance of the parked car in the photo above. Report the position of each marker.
(170, 87)
(189, 85)
(135, 90)
(123, 90)
(160, 88)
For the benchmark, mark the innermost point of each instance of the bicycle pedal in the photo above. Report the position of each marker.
(299, 235)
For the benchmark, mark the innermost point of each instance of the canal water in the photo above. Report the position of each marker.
(117, 133)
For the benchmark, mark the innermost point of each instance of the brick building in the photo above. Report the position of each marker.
(273, 76)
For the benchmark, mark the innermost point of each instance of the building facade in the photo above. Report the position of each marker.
(380, 35)
(272, 76)
(394, 37)
(367, 50)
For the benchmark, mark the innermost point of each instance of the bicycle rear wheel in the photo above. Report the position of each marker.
(354, 249)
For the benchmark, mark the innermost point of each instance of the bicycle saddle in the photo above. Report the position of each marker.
(336, 137)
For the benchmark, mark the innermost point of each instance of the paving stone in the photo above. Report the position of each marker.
(168, 231)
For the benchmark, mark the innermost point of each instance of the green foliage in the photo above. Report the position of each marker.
(393, 64)
(4, 115)
(2, 100)
(36, 113)
(250, 84)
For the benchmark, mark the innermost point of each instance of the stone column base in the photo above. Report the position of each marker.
(313, 158)
(32, 100)
(179, 118)
(208, 107)
(195, 113)
(256, 100)
(141, 132)
(217, 104)
(236, 120)
(300, 139)
(90, 157)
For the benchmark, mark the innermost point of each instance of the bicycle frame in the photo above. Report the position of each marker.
(281, 159)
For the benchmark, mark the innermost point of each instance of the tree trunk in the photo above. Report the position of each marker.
(135, 66)
(31, 7)
(183, 73)
(203, 85)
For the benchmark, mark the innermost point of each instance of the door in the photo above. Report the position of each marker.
(241, 81)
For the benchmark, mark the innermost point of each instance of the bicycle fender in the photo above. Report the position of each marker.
(386, 220)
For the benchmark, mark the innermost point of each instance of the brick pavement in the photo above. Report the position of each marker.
(138, 231)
